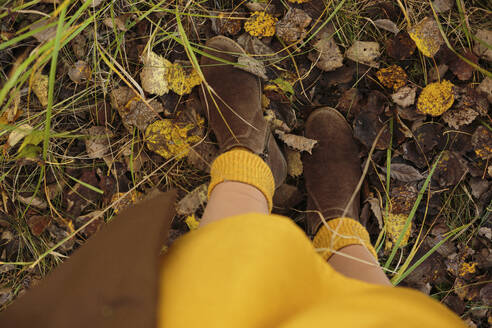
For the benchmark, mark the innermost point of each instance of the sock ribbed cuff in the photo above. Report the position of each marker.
(341, 232)
(243, 166)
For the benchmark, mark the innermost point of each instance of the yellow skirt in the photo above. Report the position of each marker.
(262, 271)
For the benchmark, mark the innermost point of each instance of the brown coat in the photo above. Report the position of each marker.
(112, 281)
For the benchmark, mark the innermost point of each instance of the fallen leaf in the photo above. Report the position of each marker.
(182, 80)
(97, 143)
(192, 222)
(478, 187)
(260, 24)
(78, 45)
(482, 142)
(486, 87)
(436, 73)
(450, 169)
(253, 46)
(349, 102)
(296, 142)
(367, 126)
(480, 47)
(195, 199)
(427, 36)
(170, 139)
(80, 71)
(294, 163)
(436, 98)
(40, 88)
(38, 223)
(326, 54)
(394, 224)
(253, 66)
(33, 201)
(12, 111)
(401, 46)
(404, 172)
(45, 34)
(261, 6)
(119, 22)
(133, 111)
(292, 27)
(364, 52)
(405, 96)
(460, 68)
(458, 117)
(393, 77)
(376, 210)
(18, 133)
(387, 25)
(226, 24)
(441, 6)
(153, 75)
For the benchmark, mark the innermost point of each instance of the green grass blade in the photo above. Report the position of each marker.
(85, 184)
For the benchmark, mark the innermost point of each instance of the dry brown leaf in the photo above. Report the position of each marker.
(427, 36)
(481, 49)
(43, 35)
(482, 142)
(364, 52)
(327, 55)
(18, 133)
(97, 143)
(405, 96)
(460, 68)
(38, 223)
(119, 22)
(401, 46)
(193, 200)
(79, 72)
(153, 75)
(296, 142)
(251, 65)
(404, 172)
(13, 110)
(33, 201)
(441, 6)
(486, 87)
(253, 46)
(458, 117)
(376, 210)
(133, 111)
(292, 27)
(387, 25)
(40, 88)
(294, 163)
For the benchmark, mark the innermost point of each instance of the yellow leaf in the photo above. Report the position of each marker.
(40, 88)
(260, 24)
(168, 139)
(436, 98)
(153, 75)
(427, 36)
(182, 80)
(192, 222)
(393, 77)
(394, 224)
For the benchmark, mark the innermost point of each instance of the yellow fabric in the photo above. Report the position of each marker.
(258, 270)
(341, 232)
(242, 165)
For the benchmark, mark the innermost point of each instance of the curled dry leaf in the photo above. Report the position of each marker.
(153, 75)
(482, 142)
(253, 66)
(376, 210)
(170, 139)
(387, 25)
(436, 98)
(12, 110)
(427, 36)
(481, 48)
(364, 52)
(401, 46)
(253, 46)
(195, 199)
(292, 27)
(97, 143)
(80, 71)
(33, 201)
(458, 117)
(294, 163)
(133, 111)
(40, 88)
(405, 96)
(182, 80)
(393, 77)
(296, 142)
(260, 24)
(326, 54)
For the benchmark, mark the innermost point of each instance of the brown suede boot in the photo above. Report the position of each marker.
(333, 170)
(234, 111)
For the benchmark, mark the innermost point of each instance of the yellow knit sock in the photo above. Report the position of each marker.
(242, 165)
(342, 232)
